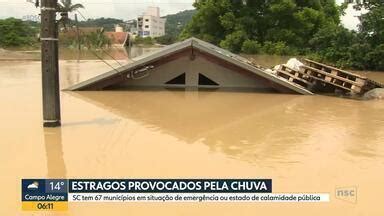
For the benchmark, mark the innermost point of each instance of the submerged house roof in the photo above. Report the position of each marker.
(191, 47)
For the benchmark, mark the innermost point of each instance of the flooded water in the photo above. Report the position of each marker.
(118, 53)
(304, 143)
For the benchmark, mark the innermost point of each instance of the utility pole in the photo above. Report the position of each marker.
(50, 64)
(78, 38)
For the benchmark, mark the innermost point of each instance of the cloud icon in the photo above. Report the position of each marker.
(34, 185)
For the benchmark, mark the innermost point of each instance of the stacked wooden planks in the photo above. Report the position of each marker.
(318, 77)
(294, 76)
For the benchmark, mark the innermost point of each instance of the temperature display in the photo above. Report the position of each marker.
(44, 194)
(56, 186)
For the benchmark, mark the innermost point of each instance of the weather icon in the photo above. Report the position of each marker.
(33, 186)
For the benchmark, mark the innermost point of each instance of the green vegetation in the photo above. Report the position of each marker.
(147, 41)
(174, 25)
(279, 27)
(292, 27)
(107, 23)
(64, 7)
(93, 37)
(144, 41)
(166, 39)
(90, 40)
(96, 40)
(275, 27)
(360, 50)
(16, 33)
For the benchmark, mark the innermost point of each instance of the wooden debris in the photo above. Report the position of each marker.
(294, 76)
(318, 77)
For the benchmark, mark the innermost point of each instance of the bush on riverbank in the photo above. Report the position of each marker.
(92, 39)
(16, 33)
(148, 41)
(166, 40)
(144, 41)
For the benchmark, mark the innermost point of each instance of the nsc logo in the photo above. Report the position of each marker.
(348, 194)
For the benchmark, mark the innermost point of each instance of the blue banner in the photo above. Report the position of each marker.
(170, 186)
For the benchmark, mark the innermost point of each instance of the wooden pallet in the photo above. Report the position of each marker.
(294, 76)
(340, 78)
(319, 77)
(337, 82)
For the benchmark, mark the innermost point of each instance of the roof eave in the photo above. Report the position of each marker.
(141, 61)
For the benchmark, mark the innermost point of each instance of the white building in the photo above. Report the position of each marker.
(150, 24)
(119, 28)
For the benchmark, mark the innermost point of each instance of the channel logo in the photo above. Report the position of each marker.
(347, 194)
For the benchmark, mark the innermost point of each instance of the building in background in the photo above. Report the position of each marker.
(150, 24)
(119, 28)
(131, 26)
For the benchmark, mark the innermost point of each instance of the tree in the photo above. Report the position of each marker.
(360, 50)
(287, 27)
(291, 23)
(107, 23)
(371, 33)
(334, 44)
(372, 23)
(251, 47)
(175, 23)
(205, 23)
(15, 32)
(65, 7)
(367, 4)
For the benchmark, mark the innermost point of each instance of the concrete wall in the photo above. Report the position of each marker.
(225, 77)
(153, 11)
(150, 24)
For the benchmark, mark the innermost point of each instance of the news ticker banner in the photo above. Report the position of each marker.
(55, 194)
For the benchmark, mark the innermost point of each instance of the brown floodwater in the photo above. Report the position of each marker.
(304, 143)
(118, 53)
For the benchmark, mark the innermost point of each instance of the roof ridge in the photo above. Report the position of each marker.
(192, 42)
